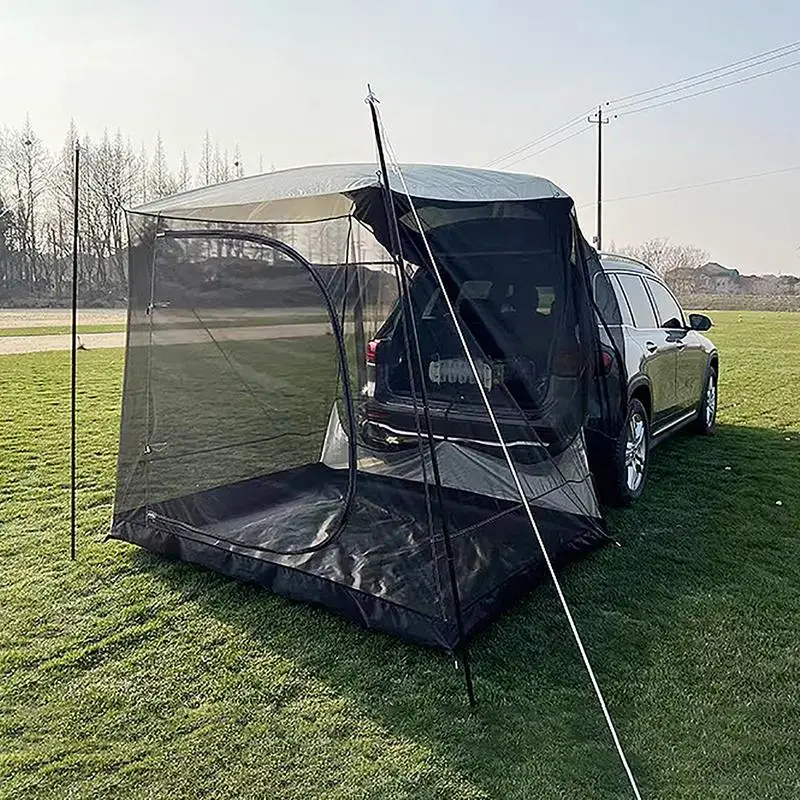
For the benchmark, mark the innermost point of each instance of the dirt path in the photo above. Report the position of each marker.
(47, 317)
(13, 345)
(52, 317)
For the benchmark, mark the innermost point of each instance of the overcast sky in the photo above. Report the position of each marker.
(460, 82)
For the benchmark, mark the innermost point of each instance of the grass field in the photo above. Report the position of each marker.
(124, 675)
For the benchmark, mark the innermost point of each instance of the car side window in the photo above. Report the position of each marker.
(669, 312)
(638, 300)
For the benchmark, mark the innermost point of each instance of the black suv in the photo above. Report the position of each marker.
(671, 372)
(669, 381)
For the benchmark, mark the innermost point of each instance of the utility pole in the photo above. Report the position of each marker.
(597, 119)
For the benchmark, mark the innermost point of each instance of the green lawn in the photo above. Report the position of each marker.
(124, 675)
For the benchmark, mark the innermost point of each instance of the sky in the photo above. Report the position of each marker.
(459, 83)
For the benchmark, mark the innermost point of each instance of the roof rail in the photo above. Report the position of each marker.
(629, 259)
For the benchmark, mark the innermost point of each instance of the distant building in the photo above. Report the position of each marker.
(718, 279)
(713, 279)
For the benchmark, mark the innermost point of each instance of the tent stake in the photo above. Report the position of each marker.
(74, 363)
(461, 652)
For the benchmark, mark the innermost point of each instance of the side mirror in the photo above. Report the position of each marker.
(700, 322)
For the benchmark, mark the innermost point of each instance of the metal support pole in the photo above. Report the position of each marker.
(74, 363)
(462, 651)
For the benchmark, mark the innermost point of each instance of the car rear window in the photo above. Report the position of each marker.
(487, 291)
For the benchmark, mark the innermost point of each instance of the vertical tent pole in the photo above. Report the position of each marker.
(74, 365)
(462, 650)
(525, 502)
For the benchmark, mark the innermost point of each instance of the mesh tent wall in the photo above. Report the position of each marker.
(296, 408)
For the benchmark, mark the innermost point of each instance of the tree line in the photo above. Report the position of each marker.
(36, 209)
(36, 213)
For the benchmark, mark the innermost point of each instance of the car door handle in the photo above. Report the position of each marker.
(651, 347)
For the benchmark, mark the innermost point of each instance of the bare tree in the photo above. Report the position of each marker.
(7, 210)
(25, 171)
(36, 208)
(206, 161)
(664, 256)
(63, 210)
(220, 168)
(162, 183)
(184, 175)
(238, 167)
(6, 250)
(110, 182)
(143, 175)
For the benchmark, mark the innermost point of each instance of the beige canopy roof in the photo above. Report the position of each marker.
(307, 194)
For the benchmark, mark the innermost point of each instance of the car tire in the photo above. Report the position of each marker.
(706, 420)
(621, 478)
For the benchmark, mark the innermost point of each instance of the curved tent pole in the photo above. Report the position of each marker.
(462, 651)
(290, 252)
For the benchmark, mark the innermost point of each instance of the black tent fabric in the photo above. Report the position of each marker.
(299, 411)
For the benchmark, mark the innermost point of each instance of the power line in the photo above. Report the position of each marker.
(686, 188)
(786, 47)
(673, 87)
(680, 87)
(544, 137)
(708, 91)
(568, 124)
(686, 84)
(522, 153)
(526, 156)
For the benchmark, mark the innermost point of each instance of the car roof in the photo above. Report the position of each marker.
(616, 262)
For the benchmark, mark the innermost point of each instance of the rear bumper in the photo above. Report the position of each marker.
(395, 424)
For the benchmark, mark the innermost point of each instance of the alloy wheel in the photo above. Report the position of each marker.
(711, 400)
(635, 452)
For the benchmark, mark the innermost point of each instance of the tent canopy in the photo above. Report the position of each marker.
(310, 194)
(295, 417)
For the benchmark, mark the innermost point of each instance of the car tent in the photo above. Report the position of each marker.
(263, 438)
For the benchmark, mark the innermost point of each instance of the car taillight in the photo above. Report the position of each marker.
(372, 350)
(606, 362)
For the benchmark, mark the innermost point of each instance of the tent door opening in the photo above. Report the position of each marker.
(245, 341)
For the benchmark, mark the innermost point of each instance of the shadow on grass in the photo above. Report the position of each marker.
(538, 730)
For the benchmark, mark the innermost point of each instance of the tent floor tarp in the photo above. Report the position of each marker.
(383, 569)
